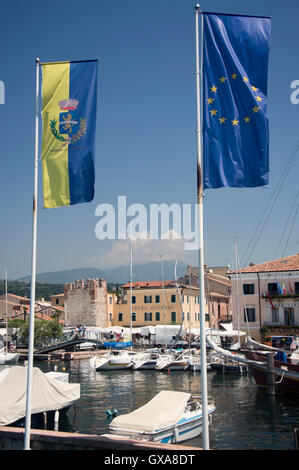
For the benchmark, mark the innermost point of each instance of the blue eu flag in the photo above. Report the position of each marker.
(235, 122)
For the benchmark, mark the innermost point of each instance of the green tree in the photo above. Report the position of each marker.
(44, 330)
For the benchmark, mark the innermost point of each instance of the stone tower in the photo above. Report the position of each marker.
(85, 302)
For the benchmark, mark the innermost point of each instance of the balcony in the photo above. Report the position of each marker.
(280, 296)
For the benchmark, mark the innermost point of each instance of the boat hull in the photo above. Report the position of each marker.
(110, 364)
(179, 365)
(285, 380)
(197, 366)
(10, 358)
(147, 365)
(230, 368)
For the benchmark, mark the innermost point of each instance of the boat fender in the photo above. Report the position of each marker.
(175, 437)
(56, 416)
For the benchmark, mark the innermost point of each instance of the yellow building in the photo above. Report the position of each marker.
(153, 305)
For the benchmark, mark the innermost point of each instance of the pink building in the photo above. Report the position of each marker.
(267, 295)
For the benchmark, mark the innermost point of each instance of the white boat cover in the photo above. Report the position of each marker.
(164, 410)
(63, 376)
(47, 394)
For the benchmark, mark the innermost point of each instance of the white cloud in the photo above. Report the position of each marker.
(145, 250)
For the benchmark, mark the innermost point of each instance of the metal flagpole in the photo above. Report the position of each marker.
(6, 320)
(33, 275)
(204, 384)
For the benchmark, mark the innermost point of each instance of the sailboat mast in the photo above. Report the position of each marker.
(131, 276)
(204, 379)
(163, 290)
(237, 290)
(190, 309)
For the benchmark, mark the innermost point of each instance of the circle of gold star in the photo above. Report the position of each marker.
(255, 109)
(235, 122)
(213, 112)
(214, 89)
(222, 120)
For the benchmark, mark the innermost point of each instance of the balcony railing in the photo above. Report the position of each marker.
(279, 296)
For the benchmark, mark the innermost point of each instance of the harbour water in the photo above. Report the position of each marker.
(245, 417)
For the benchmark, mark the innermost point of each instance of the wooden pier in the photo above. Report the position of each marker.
(61, 355)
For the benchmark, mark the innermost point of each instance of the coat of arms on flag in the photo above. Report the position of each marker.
(70, 129)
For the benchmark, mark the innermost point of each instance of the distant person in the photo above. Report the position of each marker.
(293, 345)
(281, 356)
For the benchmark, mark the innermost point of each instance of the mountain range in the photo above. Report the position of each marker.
(141, 272)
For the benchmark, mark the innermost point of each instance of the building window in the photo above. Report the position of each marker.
(120, 317)
(207, 317)
(173, 298)
(173, 317)
(157, 299)
(110, 316)
(183, 299)
(219, 310)
(147, 299)
(133, 316)
(110, 300)
(248, 289)
(272, 288)
(289, 319)
(275, 315)
(297, 288)
(133, 299)
(57, 301)
(249, 314)
(157, 316)
(147, 316)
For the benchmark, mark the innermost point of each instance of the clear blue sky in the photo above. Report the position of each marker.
(145, 144)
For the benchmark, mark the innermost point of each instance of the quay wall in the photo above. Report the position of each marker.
(13, 439)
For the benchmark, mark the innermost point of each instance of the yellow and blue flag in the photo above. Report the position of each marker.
(69, 97)
(235, 122)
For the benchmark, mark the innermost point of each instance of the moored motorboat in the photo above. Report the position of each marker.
(145, 361)
(49, 395)
(8, 357)
(114, 360)
(169, 417)
(172, 361)
(195, 363)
